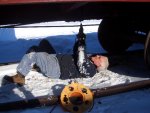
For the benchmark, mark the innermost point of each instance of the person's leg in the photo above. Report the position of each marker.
(89, 67)
(23, 68)
(18, 79)
(85, 67)
(67, 67)
(48, 64)
(26, 63)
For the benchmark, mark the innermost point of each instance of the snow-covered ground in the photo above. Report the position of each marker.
(128, 68)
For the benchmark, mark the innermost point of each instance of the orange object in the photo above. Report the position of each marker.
(76, 98)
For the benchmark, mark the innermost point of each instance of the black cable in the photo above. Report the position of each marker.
(34, 26)
(53, 108)
(91, 107)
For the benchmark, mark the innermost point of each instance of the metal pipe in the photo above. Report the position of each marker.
(36, 102)
(52, 100)
(107, 91)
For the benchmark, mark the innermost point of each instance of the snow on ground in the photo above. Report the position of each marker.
(127, 69)
(38, 85)
(36, 82)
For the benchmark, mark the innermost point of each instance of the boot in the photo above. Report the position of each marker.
(18, 79)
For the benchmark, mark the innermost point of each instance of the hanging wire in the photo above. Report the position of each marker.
(37, 26)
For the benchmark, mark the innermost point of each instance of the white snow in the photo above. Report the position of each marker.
(54, 29)
(129, 69)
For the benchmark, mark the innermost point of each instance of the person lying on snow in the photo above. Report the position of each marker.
(43, 59)
(86, 66)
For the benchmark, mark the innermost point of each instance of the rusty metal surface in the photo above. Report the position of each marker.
(54, 1)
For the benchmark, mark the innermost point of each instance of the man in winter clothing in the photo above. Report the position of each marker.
(41, 58)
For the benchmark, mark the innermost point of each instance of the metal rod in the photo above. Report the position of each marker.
(36, 102)
(107, 91)
(44, 26)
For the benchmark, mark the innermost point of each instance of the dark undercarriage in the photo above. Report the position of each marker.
(74, 11)
(124, 23)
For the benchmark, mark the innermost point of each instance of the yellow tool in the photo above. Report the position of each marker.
(76, 98)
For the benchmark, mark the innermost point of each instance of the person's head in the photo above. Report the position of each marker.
(45, 46)
(101, 62)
